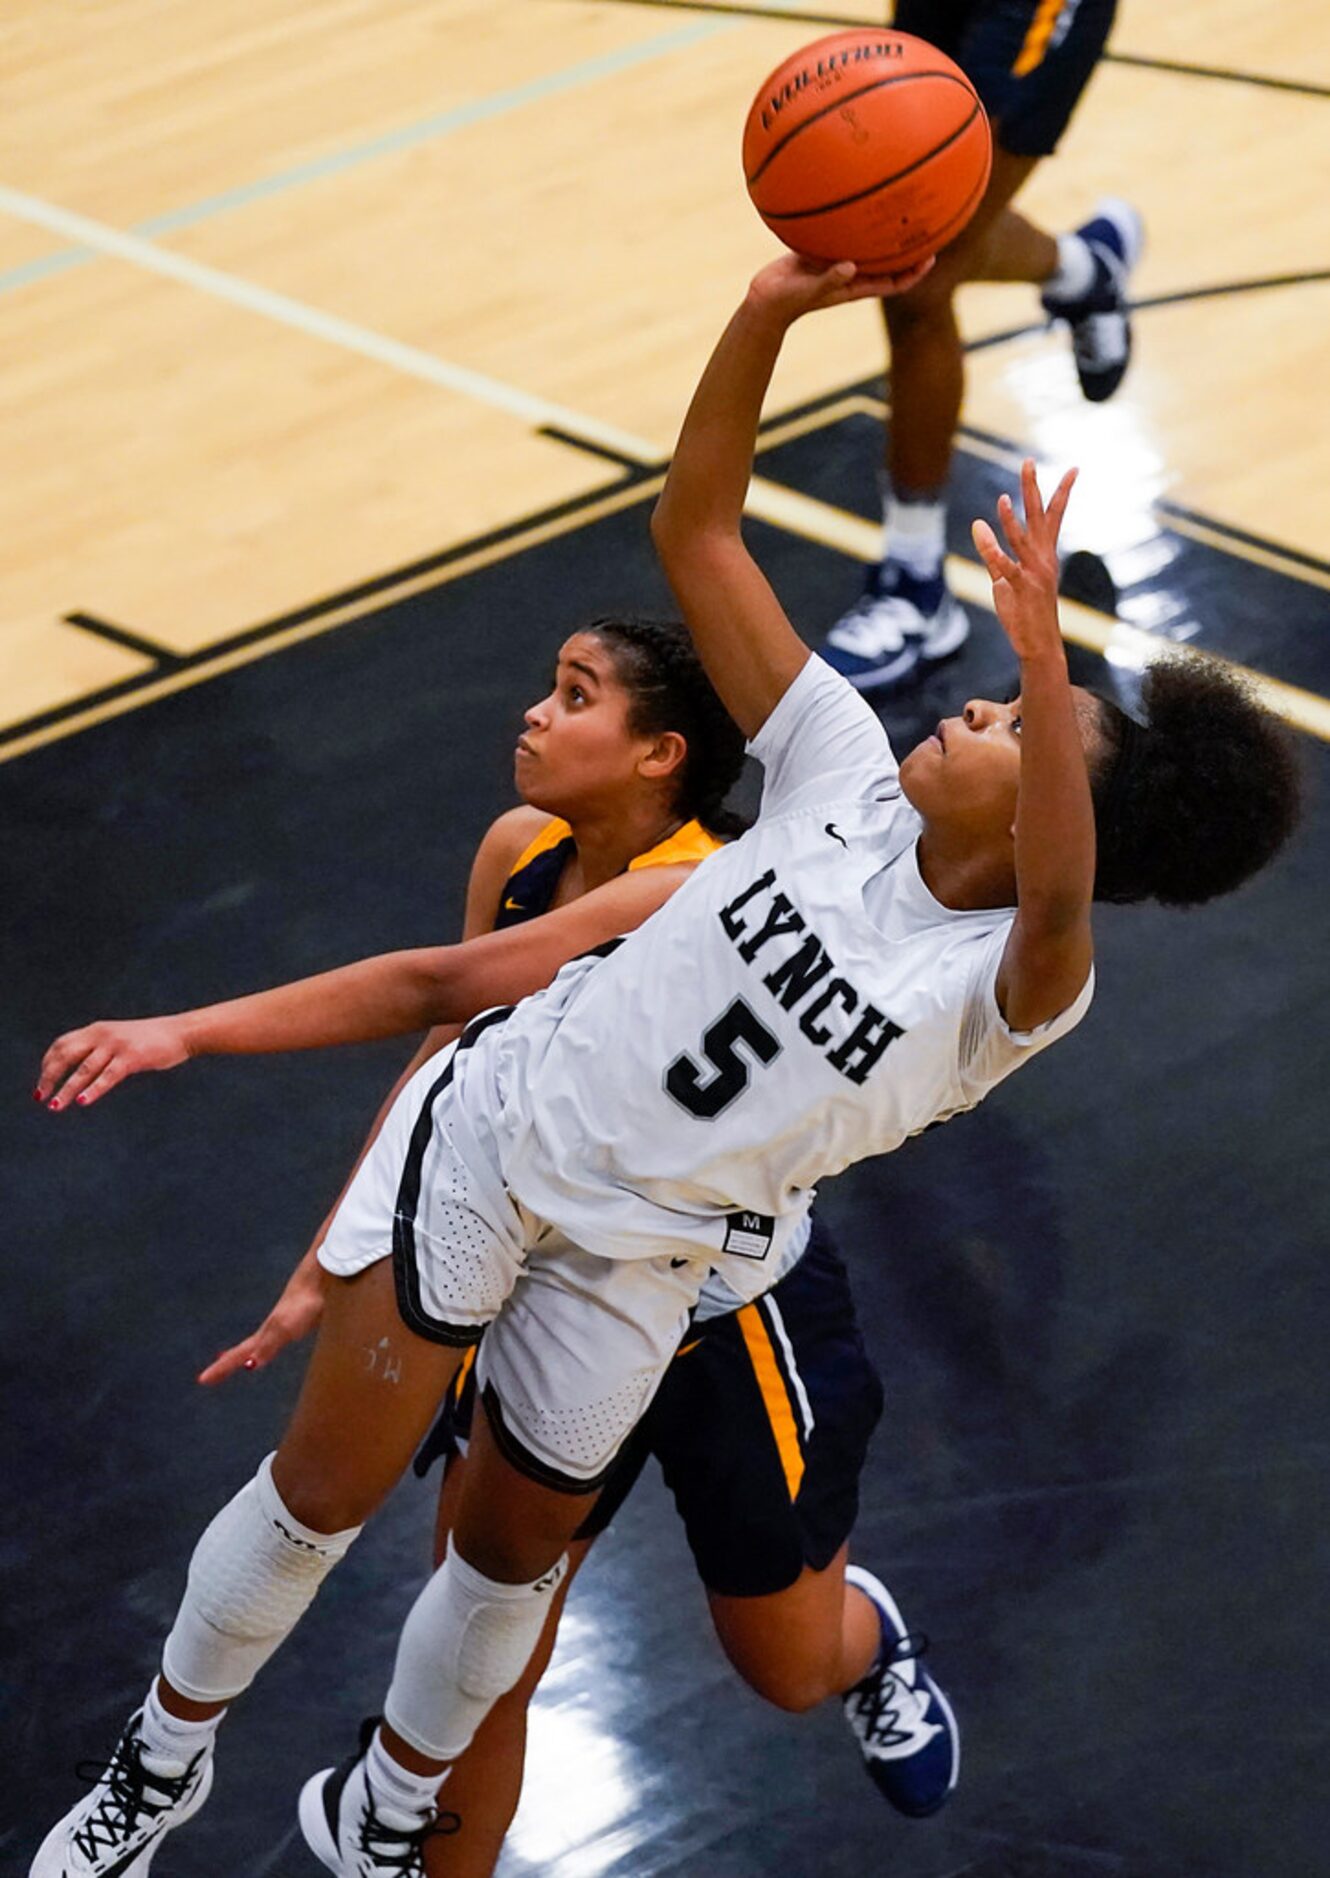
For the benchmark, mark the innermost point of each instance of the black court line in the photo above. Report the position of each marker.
(833, 21)
(1315, 277)
(513, 534)
(163, 659)
(635, 470)
(378, 585)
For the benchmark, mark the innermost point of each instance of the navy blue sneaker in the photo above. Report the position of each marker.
(903, 1723)
(1100, 321)
(898, 628)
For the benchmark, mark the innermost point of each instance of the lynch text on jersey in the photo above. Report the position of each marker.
(851, 1032)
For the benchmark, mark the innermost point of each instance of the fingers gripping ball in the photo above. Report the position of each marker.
(867, 146)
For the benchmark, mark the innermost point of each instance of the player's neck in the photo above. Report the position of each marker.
(607, 841)
(964, 875)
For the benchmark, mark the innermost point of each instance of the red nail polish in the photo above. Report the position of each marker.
(54, 1103)
(251, 1363)
(37, 1096)
(82, 1101)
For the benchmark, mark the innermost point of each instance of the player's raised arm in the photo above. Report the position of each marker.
(394, 994)
(751, 652)
(1049, 953)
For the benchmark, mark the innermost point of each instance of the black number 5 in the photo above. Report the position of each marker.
(705, 1098)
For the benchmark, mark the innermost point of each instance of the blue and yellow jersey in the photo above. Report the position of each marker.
(531, 886)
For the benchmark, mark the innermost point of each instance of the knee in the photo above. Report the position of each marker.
(314, 1496)
(794, 1687)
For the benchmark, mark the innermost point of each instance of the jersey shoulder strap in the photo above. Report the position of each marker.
(692, 842)
(531, 886)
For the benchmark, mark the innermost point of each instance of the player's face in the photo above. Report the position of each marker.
(577, 749)
(970, 768)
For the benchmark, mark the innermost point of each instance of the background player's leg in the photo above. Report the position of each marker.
(839, 1632)
(906, 618)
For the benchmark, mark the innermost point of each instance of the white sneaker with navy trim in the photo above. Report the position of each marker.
(898, 628)
(1100, 321)
(115, 1830)
(903, 1723)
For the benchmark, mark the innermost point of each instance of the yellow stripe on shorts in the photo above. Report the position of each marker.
(1036, 40)
(775, 1398)
(459, 1380)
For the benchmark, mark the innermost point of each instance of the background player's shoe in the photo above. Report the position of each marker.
(899, 627)
(115, 1830)
(1100, 321)
(354, 1833)
(903, 1723)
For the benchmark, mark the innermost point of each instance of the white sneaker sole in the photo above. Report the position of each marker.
(50, 1859)
(314, 1821)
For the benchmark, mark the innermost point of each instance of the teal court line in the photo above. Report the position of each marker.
(407, 137)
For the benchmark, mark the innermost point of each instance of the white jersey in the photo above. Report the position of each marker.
(802, 1002)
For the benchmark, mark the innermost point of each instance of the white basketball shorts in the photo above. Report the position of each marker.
(574, 1345)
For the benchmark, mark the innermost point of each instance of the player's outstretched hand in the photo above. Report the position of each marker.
(83, 1065)
(1025, 580)
(793, 285)
(295, 1314)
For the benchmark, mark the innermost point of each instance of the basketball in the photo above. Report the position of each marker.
(867, 146)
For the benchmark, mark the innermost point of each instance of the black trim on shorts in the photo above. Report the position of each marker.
(526, 1463)
(406, 1278)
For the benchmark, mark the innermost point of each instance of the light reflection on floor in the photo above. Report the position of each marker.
(585, 1785)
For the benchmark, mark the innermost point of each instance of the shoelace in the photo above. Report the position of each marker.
(893, 1711)
(116, 1815)
(401, 1851)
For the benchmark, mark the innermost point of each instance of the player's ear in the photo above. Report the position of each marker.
(665, 757)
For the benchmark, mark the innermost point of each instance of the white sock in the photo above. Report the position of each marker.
(166, 1738)
(916, 535)
(1076, 270)
(403, 1798)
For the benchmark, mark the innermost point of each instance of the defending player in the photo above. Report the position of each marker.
(884, 946)
(1029, 60)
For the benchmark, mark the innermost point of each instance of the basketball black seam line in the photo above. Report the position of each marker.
(885, 182)
(837, 104)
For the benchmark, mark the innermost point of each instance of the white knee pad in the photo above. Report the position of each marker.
(253, 1576)
(465, 1643)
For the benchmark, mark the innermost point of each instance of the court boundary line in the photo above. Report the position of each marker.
(772, 503)
(735, 9)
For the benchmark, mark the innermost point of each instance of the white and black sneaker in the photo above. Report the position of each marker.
(896, 631)
(1100, 320)
(354, 1832)
(903, 1723)
(136, 1800)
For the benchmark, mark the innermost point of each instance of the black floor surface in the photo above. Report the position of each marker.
(1098, 1302)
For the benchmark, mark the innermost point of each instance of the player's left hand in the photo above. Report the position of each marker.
(83, 1065)
(1025, 580)
(793, 285)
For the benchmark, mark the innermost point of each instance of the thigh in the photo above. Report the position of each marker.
(571, 1364)
(370, 1391)
(762, 1427)
(505, 1523)
(784, 1643)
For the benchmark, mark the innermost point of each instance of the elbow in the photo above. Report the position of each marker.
(439, 987)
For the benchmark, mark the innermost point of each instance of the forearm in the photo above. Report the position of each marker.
(1055, 831)
(391, 995)
(708, 477)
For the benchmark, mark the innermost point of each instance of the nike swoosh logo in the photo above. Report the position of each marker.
(835, 836)
(513, 906)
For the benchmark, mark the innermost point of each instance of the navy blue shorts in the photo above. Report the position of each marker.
(1029, 60)
(761, 1426)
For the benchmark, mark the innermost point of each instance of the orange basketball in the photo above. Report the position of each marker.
(867, 146)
